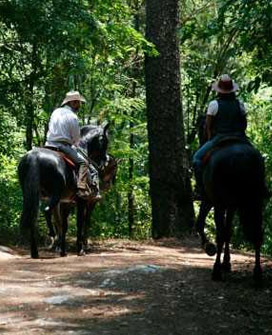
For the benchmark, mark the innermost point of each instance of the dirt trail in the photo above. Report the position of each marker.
(132, 288)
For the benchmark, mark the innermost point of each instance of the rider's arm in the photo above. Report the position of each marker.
(209, 126)
(211, 112)
(74, 131)
(244, 115)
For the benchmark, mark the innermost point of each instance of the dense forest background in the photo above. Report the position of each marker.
(99, 47)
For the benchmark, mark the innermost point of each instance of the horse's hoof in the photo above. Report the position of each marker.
(210, 249)
(35, 255)
(81, 253)
(86, 247)
(49, 242)
(217, 273)
(56, 249)
(63, 254)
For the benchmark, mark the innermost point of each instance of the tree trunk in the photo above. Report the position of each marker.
(29, 117)
(135, 75)
(29, 105)
(172, 208)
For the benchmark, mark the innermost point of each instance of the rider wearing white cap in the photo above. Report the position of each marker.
(64, 134)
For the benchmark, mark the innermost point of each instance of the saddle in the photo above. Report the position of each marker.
(67, 160)
(222, 143)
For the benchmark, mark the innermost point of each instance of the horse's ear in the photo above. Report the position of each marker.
(106, 125)
(83, 130)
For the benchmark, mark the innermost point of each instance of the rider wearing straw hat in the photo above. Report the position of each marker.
(64, 134)
(226, 116)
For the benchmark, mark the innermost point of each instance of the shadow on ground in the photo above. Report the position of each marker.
(133, 288)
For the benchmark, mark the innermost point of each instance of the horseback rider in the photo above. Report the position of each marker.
(225, 117)
(64, 134)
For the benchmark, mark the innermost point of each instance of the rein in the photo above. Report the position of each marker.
(88, 159)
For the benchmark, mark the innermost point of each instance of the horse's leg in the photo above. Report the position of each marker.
(65, 211)
(209, 247)
(200, 222)
(219, 217)
(228, 232)
(50, 226)
(52, 205)
(33, 244)
(258, 272)
(53, 201)
(48, 219)
(86, 226)
(81, 219)
(56, 212)
(53, 208)
(61, 229)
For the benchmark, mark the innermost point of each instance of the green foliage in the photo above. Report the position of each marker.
(54, 46)
(49, 47)
(260, 126)
(10, 199)
(229, 37)
(11, 139)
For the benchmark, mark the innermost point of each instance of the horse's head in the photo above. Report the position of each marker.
(108, 172)
(94, 139)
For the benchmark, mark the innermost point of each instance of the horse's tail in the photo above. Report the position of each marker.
(29, 177)
(251, 216)
(251, 220)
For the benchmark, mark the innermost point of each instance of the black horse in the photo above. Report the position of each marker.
(61, 212)
(44, 173)
(234, 181)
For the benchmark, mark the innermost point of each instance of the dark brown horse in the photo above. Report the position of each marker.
(43, 173)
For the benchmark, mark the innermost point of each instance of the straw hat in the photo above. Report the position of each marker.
(73, 96)
(225, 85)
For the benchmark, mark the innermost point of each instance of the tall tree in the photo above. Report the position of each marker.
(172, 209)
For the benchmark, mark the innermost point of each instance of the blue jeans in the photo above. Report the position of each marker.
(70, 151)
(198, 160)
(201, 152)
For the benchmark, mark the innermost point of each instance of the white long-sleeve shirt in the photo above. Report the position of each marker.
(63, 127)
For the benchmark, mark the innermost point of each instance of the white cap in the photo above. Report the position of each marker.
(73, 96)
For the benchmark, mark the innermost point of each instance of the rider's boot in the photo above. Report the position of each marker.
(85, 191)
(95, 183)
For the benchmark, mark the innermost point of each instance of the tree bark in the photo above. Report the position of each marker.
(170, 189)
(29, 104)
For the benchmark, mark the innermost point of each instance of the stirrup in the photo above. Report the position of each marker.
(85, 194)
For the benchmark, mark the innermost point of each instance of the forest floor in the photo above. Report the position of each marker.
(132, 288)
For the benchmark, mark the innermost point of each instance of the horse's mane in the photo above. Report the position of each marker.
(88, 133)
(91, 131)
